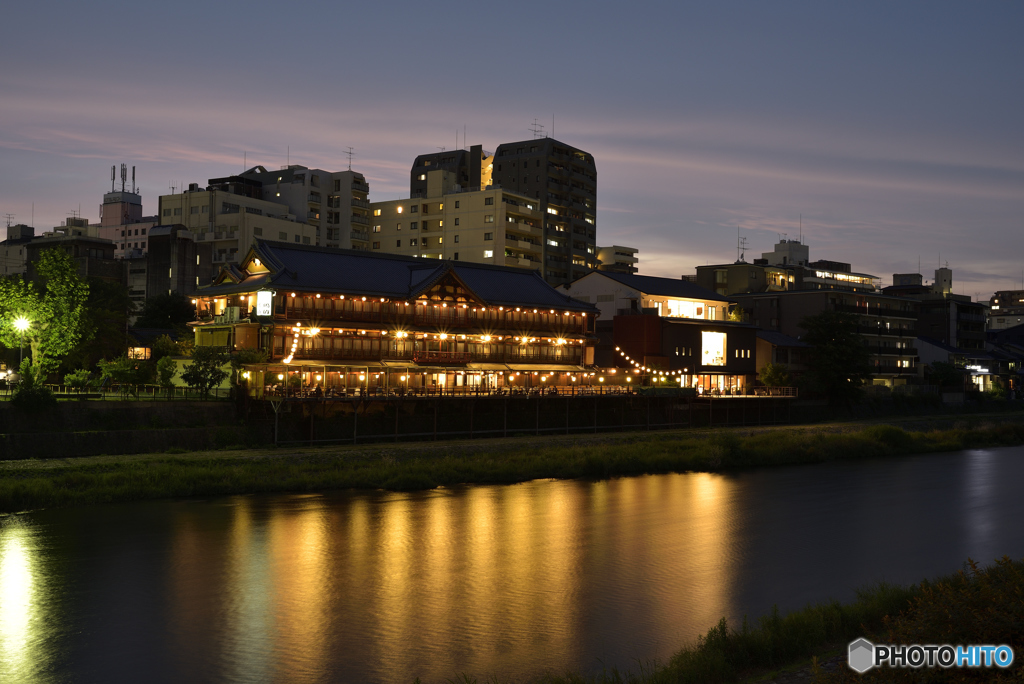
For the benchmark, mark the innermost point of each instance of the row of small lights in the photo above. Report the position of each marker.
(640, 367)
(403, 378)
(444, 305)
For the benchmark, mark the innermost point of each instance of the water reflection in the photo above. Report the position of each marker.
(504, 580)
(19, 614)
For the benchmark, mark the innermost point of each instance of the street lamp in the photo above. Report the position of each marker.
(21, 325)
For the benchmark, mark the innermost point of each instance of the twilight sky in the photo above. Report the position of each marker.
(895, 129)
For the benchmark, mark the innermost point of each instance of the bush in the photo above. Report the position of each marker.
(30, 396)
(77, 379)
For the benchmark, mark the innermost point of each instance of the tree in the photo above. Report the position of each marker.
(106, 317)
(839, 361)
(946, 375)
(205, 372)
(168, 311)
(775, 375)
(54, 311)
(124, 372)
(166, 369)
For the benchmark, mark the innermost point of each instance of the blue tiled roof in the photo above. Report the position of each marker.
(344, 271)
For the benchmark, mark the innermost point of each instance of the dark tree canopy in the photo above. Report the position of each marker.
(839, 362)
(166, 311)
(105, 323)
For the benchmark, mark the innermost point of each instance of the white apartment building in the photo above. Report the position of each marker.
(489, 226)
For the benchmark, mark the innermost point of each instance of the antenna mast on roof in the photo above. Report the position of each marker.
(741, 247)
(349, 152)
(801, 229)
(133, 180)
(113, 176)
(537, 129)
(124, 176)
(10, 219)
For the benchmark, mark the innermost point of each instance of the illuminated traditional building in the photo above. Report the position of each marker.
(352, 321)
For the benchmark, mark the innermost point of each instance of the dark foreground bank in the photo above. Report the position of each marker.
(30, 484)
(974, 606)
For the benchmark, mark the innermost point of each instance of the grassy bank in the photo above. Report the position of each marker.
(31, 484)
(973, 606)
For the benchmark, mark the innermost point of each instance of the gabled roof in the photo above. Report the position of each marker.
(664, 287)
(351, 272)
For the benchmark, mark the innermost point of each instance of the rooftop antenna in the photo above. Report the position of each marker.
(741, 247)
(133, 180)
(173, 187)
(10, 219)
(537, 129)
(113, 176)
(801, 229)
(349, 152)
(124, 176)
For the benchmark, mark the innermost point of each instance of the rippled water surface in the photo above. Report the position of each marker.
(510, 580)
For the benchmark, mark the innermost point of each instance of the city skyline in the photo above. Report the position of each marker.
(893, 132)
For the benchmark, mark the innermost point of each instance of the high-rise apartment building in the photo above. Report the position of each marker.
(334, 203)
(447, 221)
(228, 221)
(295, 204)
(560, 178)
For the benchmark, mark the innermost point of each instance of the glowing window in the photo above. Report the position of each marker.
(712, 348)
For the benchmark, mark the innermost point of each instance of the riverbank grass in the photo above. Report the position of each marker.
(26, 485)
(974, 606)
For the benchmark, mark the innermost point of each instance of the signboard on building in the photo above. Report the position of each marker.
(264, 303)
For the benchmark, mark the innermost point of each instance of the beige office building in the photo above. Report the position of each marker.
(490, 226)
(229, 222)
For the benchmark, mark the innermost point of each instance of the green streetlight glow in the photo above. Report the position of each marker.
(21, 324)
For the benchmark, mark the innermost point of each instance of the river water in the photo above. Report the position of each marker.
(507, 580)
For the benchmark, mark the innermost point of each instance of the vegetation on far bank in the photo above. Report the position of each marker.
(28, 485)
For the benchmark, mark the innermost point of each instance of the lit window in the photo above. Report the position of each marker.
(488, 254)
(489, 218)
(376, 212)
(712, 348)
(400, 210)
(423, 176)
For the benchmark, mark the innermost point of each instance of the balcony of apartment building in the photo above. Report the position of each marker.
(359, 218)
(360, 186)
(523, 244)
(361, 235)
(878, 311)
(361, 203)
